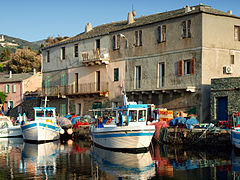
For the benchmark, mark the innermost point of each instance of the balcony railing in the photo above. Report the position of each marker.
(80, 89)
(95, 57)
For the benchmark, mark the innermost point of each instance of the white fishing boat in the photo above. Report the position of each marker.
(128, 131)
(235, 137)
(7, 129)
(122, 164)
(43, 127)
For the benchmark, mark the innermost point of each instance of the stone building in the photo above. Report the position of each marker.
(167, 59)
(225, 97)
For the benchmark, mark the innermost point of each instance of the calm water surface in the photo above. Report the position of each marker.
(80, 160)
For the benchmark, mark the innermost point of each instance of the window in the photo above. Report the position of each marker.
(138, 77)
(62, 110)
(186, 67)
(116, 74)
(10, 105)
(162, 33)
(132, 115)
(116, 42)
(76, 50)
(7, 88)
(63, 53)
(142, 115)
(97, 43)
(48, 56)
(138, 38)
(161, 72)
(79, 109)
(63, 80)
(14, 88)
(237, 33)
(186, 29)
(97, 80)
(232, 59)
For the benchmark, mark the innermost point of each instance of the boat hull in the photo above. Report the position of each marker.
(40, 131)
(14, 131)
(123, 138)
(235, 138)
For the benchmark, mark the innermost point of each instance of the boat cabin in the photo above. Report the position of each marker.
(131, 115)
(45, 113)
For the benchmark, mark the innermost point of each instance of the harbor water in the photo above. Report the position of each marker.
(82, 160)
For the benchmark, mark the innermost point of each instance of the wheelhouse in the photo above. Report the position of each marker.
(131, 115)
(44, 113)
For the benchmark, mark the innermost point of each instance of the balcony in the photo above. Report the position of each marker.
(96, 57)
(84, 89)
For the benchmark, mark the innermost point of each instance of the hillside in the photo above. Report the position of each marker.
(16, 43)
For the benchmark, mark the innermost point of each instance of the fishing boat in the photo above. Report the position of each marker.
(43, 127)
(235, 137)
(7, 129)
(128, 131)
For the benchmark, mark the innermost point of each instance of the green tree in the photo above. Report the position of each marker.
(5, 55)
(24, 60)
(2, 97)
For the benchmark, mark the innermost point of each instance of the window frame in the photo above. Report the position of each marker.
(162, 30)
(161, 79)
(14, 88)
(138, 77)
(186, 29)
(236, 33)
(76, 54)
(138, 38)
(48, 56)
(116, 42)
(63, 53)
(116, 74)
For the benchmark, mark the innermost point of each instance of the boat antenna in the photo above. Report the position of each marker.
(45, 102)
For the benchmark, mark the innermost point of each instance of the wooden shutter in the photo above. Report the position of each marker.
(180, 67)
(192, 64)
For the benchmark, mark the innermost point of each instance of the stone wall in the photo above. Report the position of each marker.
(225, 87)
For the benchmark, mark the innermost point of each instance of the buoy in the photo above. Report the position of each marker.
(69, 131)
(61, 131)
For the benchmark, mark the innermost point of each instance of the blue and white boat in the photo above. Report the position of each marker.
(235, 137)
(43, 127)
(128, 131)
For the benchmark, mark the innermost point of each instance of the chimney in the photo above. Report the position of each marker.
(130, 18)
(88, 27)
(10, 74)
(187, 9)
(229, 12)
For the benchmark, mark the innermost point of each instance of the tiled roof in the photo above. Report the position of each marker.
(15, 77)
(143, 20)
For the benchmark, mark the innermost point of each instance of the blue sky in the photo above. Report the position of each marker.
(34, 20)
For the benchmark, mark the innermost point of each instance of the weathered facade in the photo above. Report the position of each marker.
(225, 101)
(167, 59)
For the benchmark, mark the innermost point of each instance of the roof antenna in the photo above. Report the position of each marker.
(133, 12)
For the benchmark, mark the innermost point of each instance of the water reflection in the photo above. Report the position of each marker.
(124, 165)
(39, 159)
